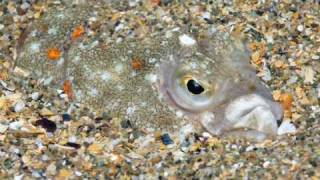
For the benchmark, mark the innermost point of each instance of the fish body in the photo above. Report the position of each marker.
(163, 80)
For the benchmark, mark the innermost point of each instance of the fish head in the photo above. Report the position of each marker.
(209, 83)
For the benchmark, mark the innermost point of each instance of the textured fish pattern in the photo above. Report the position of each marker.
(163, 80)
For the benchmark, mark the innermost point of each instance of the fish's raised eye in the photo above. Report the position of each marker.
(194, 87)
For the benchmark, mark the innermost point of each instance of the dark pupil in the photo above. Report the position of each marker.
(194, 87)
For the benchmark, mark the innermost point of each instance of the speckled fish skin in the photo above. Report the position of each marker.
(153, 95)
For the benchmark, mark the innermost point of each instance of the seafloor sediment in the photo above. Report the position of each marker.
(44, 135)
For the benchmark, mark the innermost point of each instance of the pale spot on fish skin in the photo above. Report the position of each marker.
(60, 62)
(131, 110)
(133, 74)
(152, 78)
(76, 59)
(81, 46)
(193, 65)
(92, 45)
(118, 68)
(52, 31)
(143, 104)
(120, 87)
(106, 76)
(152, 60)
(33, 33)
(61, 16)
(93, 92)
(35, 47)
(179, 114)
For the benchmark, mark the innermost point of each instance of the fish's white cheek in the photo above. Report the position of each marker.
(209, 122)
(254, 112)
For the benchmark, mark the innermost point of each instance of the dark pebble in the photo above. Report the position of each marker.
(165, 138)
(279, 121)
(165, 2)
(74, 145)
(125, 124)
(66, 117)
(98, 119)
(48, 125)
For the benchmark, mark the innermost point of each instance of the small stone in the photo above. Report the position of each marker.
(155, 160)
(46, 112)
(64, 174)
(21, 72)
(72, 139)
(186, 40)
(66, 117)
(36, 174)
(47, 124)
(308, 74)
(15, 125)
(18, 177)
(95, 148)
(166, 140)
(78, 173)
(266, 164)
(315, 57)
(74, 145)
(125, 124)
(35, 95)
(286, 128)
(52, 169)
(3, 128)
(19, 106)
(300, 28)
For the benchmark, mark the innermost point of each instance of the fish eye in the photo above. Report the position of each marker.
(194, 87)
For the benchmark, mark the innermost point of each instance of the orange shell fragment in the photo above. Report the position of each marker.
(66, 87)
(77, 32)
(286, 102)
(153, 3)
(53, 53)
(136, 63)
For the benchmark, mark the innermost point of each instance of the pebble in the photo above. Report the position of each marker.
(21, 72)
(186, 40)
(166, 140)
(3, 128)
(74, 145)
(72, 139)
(266, 164)
(66, 117)
(47, 124)
(35, 95)
(286, 127)
(15, 125)
(315, 57)
(125, 124)
(300, 28)
(46, 112)
(19, 106)
(19, 177)
(52, 169)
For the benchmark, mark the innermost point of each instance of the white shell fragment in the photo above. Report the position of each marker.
(186, 40)
(286, 128)
(19, 106)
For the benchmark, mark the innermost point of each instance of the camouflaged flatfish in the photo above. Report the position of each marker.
(163, 80)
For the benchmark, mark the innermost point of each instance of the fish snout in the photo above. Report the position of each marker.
(254, 112)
